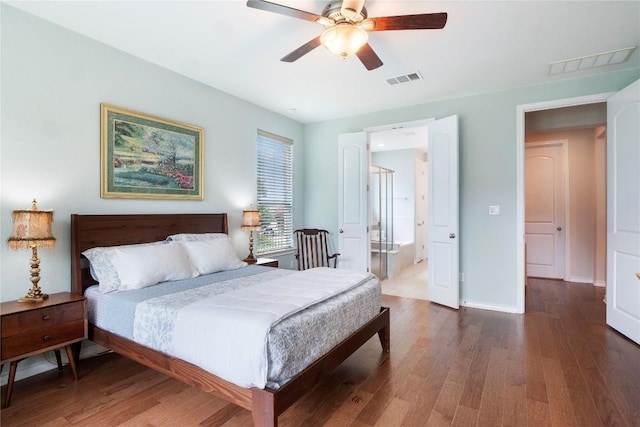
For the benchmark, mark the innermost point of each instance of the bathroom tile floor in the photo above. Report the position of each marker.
(410, 283)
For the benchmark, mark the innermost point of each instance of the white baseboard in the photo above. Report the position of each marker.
(577, 279)
(504, 309)
(600, 283)
(47, 361)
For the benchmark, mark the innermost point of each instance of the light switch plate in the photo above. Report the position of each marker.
(494, 210)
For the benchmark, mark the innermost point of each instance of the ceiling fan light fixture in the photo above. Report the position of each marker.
(347, 25)
(344, 40)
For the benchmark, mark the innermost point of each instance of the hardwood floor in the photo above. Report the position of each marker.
(557, 365)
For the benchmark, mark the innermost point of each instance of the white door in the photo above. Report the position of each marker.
(442, 216)
(545, 229)
(353, 201)
(420, 231)
(623, 211)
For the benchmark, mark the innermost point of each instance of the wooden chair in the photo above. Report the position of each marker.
(313, 249)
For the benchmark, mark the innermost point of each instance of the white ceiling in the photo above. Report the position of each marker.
(486, 46)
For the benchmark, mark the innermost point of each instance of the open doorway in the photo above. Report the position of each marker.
(354, 156)
(580, 125)
(565, 196)
(398, 198)
(398, 225)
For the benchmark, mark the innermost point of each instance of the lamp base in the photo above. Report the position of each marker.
(28, 298)
(34, 294)
(250, 259)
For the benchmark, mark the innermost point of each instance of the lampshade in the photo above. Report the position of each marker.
(32, 228)
(250, 220)
(344, 39)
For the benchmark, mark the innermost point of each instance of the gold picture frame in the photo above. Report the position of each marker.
(149, 157)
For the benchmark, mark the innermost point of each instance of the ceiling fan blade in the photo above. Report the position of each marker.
(426, 21)
(302, 50)
(282, 10)
(368, 57)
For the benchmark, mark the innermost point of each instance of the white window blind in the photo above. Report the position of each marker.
(275, 192)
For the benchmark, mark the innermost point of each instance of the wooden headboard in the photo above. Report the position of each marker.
(90, 231)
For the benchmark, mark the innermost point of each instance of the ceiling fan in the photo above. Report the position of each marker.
(347, 25)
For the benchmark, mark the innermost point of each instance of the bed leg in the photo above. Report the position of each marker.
(385, 333)
(263, 408)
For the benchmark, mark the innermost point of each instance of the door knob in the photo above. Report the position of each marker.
(341, 230)
(452, 235)
(559, 228)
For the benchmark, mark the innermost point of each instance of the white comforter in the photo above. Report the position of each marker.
(226, 334)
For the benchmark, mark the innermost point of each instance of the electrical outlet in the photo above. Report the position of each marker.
(494, 210)
(462, 277)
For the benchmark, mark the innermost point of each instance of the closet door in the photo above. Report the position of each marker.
(545, 195)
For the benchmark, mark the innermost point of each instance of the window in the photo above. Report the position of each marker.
(275, 193)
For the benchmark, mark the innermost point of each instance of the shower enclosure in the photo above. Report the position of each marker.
(381, 220)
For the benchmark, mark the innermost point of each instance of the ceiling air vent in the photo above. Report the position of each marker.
(405, 78)
(591, 61)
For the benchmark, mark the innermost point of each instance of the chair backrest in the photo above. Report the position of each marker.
(313, 249)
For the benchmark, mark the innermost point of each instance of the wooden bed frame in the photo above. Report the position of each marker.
(88, 231)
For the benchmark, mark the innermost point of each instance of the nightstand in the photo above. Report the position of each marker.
(267, 262)
(29, 329)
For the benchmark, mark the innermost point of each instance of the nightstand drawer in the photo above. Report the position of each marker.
(20, 323)
(28, 342)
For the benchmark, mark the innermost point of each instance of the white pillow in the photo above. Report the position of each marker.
(210, 256)
(143, 266)
(103, 270)
(196, 236)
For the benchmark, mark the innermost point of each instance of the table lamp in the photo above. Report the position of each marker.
(251, 223)
(32, 229)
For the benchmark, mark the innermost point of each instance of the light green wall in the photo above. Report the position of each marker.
(53, 82)
(487, 126)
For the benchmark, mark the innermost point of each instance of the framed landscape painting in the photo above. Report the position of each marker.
(148, 157)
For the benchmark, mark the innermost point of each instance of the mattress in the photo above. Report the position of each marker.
(292, 344)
